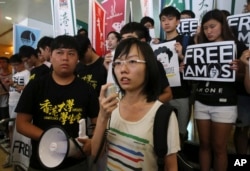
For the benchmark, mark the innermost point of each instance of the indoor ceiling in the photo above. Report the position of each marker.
(39, 10)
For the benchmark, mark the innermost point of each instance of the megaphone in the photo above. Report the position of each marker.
(55, 145)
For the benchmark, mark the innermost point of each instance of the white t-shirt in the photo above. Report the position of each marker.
(130, 144)
(21, 79)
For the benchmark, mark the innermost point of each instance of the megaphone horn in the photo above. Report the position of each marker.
(55, 145)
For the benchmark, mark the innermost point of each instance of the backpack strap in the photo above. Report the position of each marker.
(160, 133)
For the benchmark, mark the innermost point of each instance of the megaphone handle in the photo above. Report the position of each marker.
(82, 129)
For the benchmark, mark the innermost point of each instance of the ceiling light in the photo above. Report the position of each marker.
(6, 53)
(8, 18)
(2, 2)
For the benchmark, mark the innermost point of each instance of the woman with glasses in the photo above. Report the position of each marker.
(129, 119)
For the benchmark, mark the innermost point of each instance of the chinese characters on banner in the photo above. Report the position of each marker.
(115, 15)
(63, 16)
(147, 8)
(98, 27)
(179, 4)
(201, 7)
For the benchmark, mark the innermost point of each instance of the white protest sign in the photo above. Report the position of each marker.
(166, 54)
(210, 62)
(63, 17)
(240, 25)
(188, 26)
(21, 150)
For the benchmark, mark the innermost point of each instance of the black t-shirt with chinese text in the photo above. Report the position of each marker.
(94, 74)
(52, 104)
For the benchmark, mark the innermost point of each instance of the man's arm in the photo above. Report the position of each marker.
(24, 126)
(166, 95)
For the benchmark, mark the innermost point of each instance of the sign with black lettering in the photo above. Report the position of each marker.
(240, 25)
(188, 26)
(210, 62)
(166, 54)
(21, 150)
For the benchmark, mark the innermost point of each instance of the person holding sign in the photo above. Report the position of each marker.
(215, 108)
(170, 18)
(187, 14)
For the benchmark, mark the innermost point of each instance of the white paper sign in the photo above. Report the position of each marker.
(166, 54)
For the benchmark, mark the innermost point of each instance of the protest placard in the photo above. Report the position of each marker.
(210, 62)
(188, 26)
(240, 24)
(166, 54)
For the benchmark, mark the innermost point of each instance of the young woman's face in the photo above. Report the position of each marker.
(112, 41)
(130, 72)
(213, 30)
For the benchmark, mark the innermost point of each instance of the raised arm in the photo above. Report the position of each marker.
(107, 105)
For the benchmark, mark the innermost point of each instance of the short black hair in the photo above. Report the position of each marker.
(170, 11)
(226, 13)
(146, 19)
(117, 35)
(64, 41)
(151, 83)
(139, 29)
(188, 12)
(83, 43)
(16, 58)
(27, 51)
(44, 42)
(82, 29)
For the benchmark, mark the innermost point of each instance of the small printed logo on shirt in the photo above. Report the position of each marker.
(223, 100)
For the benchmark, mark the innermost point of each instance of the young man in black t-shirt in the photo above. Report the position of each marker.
(90, 67)
(169, 19)
(60, 99)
